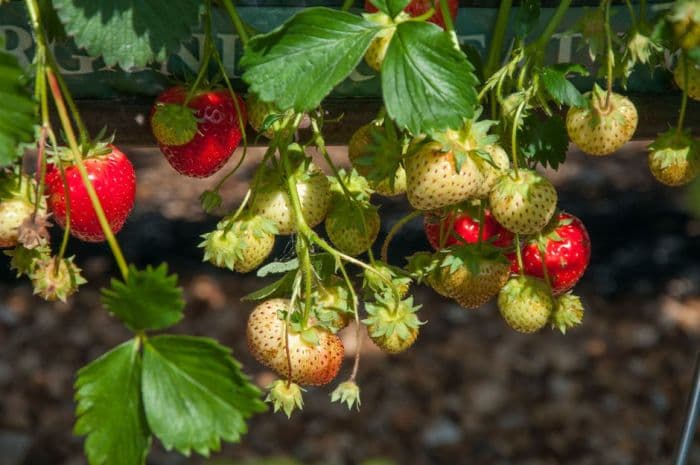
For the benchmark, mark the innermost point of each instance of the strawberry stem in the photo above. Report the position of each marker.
(66, 226)
(347, 4)
(394, 230)
(684, 101)
(514, 137)
(519, 254)
(610, 54)
(446, 16)
(207, 51)
(552, 25)
(543, 256)
(480, 233)
(497, 39)
(237, 21)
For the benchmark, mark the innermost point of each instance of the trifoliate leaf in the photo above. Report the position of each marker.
(560, 88)
(318, 45)
(544, 141)
(129, 33)
(110, 411)
(427, 83)
(17, 110)
(149, 299)
(195, 394)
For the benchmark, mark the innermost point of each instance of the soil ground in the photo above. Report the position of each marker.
(471, 391)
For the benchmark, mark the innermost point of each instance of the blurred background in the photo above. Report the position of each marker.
(471, 391)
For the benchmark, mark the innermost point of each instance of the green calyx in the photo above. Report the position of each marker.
(347, 393)
(567, 313)
(56, 280)
(673, 146)
(388, 318)
(470, 256)
(524, 185)
(225, 247)
(471, 140)
(285, 396)
(173, 124)
(377, 152)
(377, 281)
(332, 305)
(355, 184)
(24, 260)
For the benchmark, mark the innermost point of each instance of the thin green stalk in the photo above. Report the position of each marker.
(514, 137)
(394, 230)
(446, 16)
(358, 325)
(543, 255)
(207, 48)
(498, 37)
(347, 4)
(519, 254)
(75, 113)
(553, 24)
(237, 21)
(78, 160)
(684, 101)
(66, 227)
(610, 56)
(288, 319)
(630, 10)
(643, 11)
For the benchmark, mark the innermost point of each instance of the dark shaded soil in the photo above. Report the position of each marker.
(471, 391)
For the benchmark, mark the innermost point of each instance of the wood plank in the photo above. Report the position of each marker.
(129, 119)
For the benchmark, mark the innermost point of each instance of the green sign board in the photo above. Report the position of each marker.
(88, 77)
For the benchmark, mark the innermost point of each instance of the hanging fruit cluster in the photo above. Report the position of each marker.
(490, 215)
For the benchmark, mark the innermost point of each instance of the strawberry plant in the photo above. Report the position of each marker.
(465, 143)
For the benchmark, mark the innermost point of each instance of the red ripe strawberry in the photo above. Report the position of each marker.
(217, 134)
(418, 7)
(567, 252)
(466, 226)
(114, 180)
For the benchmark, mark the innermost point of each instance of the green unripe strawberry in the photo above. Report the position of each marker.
(602, 127)
(377, 156)
(492, 173)
(352, 228)
(526, 303)
(332, 304)
(173, 124)
(271, 198)
(240, 245)
(392, 325)
(685, 22)
(523, 203)
(56, 279)
(567, 313)
(374, 56)
(693, 84)
(17, 205)
(674, 158)
(385, 278)
(258, 112)
(451, 169)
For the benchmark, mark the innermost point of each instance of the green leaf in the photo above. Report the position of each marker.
(526, 18)
(17, 110)
(427, 83)
(544, 141)
(129, 33)
(318, 45)
(195, 394)
(110, 411)
(390, 7)
(560, 88)
(149, 299)
(280, 288)
(278, 267)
